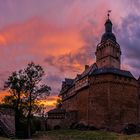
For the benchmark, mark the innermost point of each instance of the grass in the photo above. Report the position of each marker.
(3, 138)
(82, 135)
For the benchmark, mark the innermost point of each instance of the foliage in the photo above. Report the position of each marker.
(26, 88)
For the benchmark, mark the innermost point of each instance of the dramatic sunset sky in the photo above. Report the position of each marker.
(61, 35)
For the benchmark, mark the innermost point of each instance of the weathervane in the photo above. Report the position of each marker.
(109, 11)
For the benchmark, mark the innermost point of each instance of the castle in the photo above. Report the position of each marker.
(103, 95)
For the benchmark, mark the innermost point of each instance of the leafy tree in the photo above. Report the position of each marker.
(26, 88)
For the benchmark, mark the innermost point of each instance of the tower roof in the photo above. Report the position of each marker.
(108, 31)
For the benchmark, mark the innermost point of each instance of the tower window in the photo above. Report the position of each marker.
(125, 79)
(91, 102)
(115, 77)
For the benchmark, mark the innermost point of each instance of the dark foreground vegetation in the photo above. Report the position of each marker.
(26, 88)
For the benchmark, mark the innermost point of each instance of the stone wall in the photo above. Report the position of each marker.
(68, 120)
(98, 102)
(113, 101)
(70, 103)
(82, 105)
(109, 102)
(7, 121)
(108, 55)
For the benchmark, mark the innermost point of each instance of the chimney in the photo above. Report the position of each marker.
(86, 67)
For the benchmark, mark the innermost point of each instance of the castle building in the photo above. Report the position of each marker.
(103, 95)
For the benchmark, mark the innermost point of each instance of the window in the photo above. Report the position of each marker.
(125, 79)
(91, 102)
(115, 77)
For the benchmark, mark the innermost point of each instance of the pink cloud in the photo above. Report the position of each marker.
(59, 35)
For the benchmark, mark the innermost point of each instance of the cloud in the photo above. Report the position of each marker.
(72, 62)
(128, 36)
(50, 102)
(62, 35)
(3, 93)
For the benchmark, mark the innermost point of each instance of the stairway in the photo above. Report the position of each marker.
(7, 126)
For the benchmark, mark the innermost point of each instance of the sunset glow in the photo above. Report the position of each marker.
(61, 36)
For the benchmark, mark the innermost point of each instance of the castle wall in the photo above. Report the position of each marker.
(98, 101)
(82, 105)
(79, 103)
(110, 101)
(113, 101)
(108, 55)
(70, 103)
(123, 102)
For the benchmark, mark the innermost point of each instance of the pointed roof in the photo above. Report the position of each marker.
(108, 31)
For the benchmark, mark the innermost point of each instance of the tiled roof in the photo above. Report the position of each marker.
(139, 80)
(69, 81)
(57, 110)
(113, 71)
(89, 71)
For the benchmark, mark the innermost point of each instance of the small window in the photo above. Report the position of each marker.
(91, 102)
(125, 79)
(115, 77)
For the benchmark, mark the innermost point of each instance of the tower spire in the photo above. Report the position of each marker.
(108, 23)
(108, 13)
(108, 29)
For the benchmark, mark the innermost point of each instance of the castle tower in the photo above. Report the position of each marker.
(108, 52)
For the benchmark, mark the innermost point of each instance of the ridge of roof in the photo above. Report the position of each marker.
(114, 71)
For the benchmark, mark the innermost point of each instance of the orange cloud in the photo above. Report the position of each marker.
(41, 38)
(2, 40)
(3, 94)
(61, 43)
(50, 101)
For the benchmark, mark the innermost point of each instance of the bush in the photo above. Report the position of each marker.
(37, 124)
(73, 125)
(57, 127)
(130, 129)
(81, 126)
(23, 130)
(93, 128)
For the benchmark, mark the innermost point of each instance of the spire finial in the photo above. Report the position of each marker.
(108, 13)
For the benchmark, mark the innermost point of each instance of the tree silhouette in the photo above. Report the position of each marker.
(26, 88)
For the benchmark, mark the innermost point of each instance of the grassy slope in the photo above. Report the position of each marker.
(83, 135)
(80, 135)
(2, 138)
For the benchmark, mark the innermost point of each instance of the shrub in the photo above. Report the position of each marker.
(129, 129)
(57, 127)
(81, 126)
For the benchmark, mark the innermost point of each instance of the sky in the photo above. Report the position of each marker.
(62, 35)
